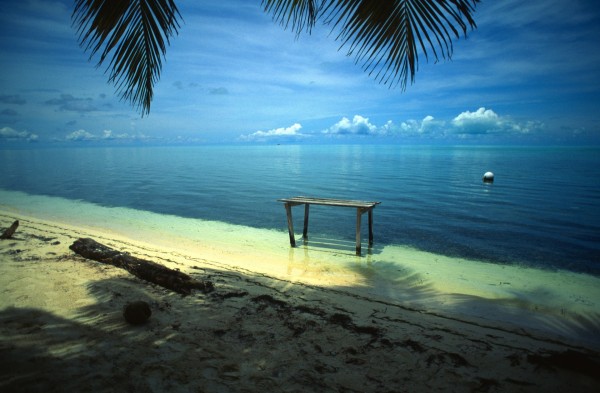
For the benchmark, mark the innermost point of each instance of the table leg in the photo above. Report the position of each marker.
(370, 227)
(358, 222)
(305, 232)
(288, 210)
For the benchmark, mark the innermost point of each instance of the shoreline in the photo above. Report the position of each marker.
(560, 303)
(61, 321)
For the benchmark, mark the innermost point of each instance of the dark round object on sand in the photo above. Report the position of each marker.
(137, 313)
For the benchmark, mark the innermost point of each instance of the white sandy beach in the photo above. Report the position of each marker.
(283, 319)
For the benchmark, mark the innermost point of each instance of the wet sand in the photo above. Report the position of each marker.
(62, 329)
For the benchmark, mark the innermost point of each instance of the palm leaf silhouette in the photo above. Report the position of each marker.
(384, 36)
(134, 35)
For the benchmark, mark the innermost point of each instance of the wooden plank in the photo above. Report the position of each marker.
(333, 202)
(329, 202)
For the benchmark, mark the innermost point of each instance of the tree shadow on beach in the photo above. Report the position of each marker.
(208, 343)
(44, 352)
(252, 331)
(516, 311)
(95, 349)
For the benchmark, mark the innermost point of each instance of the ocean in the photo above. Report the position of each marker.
(542, 210)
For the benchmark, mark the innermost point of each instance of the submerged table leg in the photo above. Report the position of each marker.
(288, 210)
(305, 232)
(358, 221)
(370, 227)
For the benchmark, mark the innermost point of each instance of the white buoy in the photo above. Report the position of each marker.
(488, 177)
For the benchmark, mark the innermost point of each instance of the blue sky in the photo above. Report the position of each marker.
(529, 74)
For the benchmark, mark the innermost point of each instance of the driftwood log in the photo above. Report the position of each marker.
(7, 234)
(146, 270)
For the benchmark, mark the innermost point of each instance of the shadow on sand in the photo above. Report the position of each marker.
(257, 333)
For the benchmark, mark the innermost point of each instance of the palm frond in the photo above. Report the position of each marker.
(297, 14)
(133, 34)
(385, 36)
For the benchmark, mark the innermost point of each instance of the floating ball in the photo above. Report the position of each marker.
(488, 177)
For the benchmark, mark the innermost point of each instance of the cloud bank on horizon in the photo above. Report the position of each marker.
(465, 125)
(529, 74)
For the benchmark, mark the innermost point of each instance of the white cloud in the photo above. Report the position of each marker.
(486, 121)
(109, 135)
(428, 126)
(291, 132)
(410, 127)
(81, 135)
(358, 126)
(482, 121)
(388, 128)
(9, 134)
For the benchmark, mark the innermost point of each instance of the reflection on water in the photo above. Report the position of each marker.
(321, 255)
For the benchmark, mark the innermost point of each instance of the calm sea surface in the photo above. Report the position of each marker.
(543, 209)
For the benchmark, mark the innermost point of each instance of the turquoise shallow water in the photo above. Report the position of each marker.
(543, 209)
